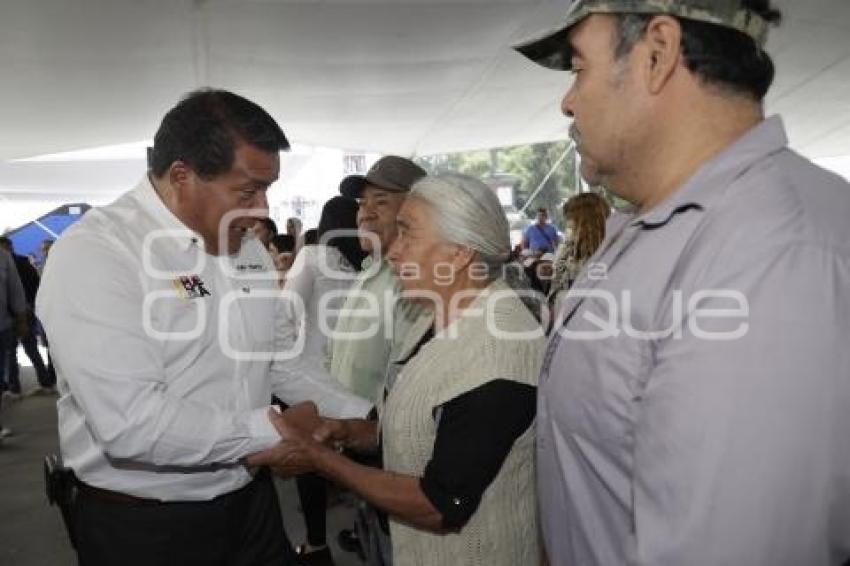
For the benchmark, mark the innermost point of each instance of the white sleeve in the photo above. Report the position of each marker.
(91, 304)
(297, 379)
(297, 292)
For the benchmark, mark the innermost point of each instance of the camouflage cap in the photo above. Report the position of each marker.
(551, 49)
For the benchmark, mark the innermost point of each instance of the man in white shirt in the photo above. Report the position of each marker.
(162, 317)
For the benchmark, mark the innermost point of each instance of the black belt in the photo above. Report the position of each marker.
(114, 496)
(126, 499)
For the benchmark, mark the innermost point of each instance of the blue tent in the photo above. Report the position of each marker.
(27, 239)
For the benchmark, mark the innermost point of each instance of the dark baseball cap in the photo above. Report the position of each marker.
(391, 173)
(551, 48)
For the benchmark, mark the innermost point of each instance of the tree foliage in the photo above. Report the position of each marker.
(529, 164)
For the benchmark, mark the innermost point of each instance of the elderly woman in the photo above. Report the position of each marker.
(456, 422)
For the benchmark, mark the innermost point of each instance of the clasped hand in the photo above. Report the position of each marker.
(304, 435)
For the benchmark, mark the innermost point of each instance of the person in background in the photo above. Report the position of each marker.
(265, 229)
(456, 419)
(14, 323)
(374, 321)
(44, 249)
(293, 228)
(311, 237)
(329, 267)
(538, 272)
(29, 278)
(541, 237)
(318, 279)
(164, 314)
(693, 403)
(282, 249)
(585, 216)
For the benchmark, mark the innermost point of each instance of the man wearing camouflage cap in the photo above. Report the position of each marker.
(693, 400)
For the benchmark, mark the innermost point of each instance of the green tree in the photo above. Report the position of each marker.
(530, 164)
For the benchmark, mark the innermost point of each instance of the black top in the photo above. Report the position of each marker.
(475, 433)
(29, 277)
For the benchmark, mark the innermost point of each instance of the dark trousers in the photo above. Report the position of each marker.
(243, 528)
(46, 374)
(313, 493)
(8, 343)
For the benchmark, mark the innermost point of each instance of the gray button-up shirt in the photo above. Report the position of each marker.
(12, 298)
(695, 400)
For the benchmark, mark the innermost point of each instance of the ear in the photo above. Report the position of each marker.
(462, 258)
(180, 175)
(663, 41)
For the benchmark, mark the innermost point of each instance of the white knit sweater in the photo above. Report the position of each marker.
(464, 356)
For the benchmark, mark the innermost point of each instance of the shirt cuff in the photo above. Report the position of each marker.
(357, 408)
(263, 433)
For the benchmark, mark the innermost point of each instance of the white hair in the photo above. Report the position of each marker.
(468, 213)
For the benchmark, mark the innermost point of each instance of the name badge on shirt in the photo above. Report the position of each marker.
(190, 287)
(250, 267)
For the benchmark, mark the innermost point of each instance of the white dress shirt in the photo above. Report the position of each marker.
(166, 356)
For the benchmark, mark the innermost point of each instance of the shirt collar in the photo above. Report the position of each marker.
(715, 175)
(369, 261)
(150, 200)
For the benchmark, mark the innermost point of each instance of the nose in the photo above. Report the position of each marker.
(365, 212)
(567, 104)
(262, 202)
(259, 206)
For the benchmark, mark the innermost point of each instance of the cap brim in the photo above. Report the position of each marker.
(552, 50)
(352, 186)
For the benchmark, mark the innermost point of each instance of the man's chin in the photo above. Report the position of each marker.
(590, 174)
(366, 244)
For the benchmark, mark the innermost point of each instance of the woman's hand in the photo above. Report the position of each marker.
(352, 434)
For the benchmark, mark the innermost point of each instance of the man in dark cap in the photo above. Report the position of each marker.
(693, 399)
(373, 318)
(360, 363)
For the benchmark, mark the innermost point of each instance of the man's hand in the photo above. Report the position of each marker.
(304, 417)
(286, 459)
(294, 454)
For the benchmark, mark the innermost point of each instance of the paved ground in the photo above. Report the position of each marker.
(32, 533)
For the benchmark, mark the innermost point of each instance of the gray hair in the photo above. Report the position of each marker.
(468, 213)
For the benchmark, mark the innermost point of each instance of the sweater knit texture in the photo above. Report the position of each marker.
(494, 338)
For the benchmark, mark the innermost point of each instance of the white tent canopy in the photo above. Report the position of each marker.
(401, 76)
